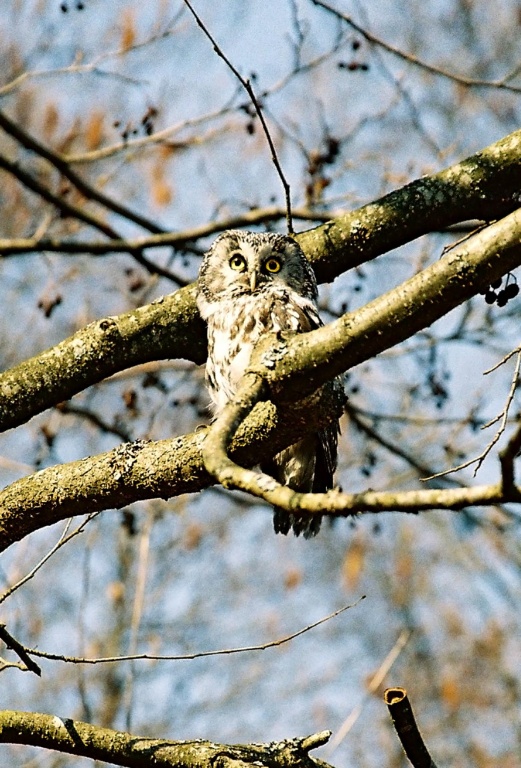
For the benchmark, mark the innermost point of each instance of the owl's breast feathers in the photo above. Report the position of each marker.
(235, 326)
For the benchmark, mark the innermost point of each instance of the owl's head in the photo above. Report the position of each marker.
(241, 263)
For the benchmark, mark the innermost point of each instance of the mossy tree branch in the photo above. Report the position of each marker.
(292, 368)
(77, 738)
(485, 185)
(289, 369)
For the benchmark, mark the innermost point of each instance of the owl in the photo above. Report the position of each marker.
(253, 283)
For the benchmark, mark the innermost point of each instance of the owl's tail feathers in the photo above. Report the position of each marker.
(284, 521)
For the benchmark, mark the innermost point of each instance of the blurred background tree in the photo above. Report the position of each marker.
(132, 99)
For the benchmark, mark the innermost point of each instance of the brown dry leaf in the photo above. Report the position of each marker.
(94, 130)
(116, 591)
(354, 562)
(128, 29)
(51, 119)
(70, 137)
(192, 536)
(161, 190)
(292, 578)
(450, 692)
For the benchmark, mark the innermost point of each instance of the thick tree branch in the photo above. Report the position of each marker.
(100, 350)
(144, 470)
(483, 186)
(119, 748)
(224, 469)
(166, 468)
(478, 186)
(310, 359)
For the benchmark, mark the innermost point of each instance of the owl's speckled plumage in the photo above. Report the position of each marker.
(253, 283)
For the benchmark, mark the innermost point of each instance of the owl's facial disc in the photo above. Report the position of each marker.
(251, 266)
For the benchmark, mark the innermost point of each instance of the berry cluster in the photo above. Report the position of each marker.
(353, 65)
(501, 297)
(145, 126)
(64, 7)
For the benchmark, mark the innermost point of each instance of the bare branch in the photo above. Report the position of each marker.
(12, 643)
(67, 209)
(177, 240)
(191, 656)
(231, 475)
(374, 683)
(64, 538)
(246, 84)
(58, 161)
(469, 82)
(502, 417)
(406, 728)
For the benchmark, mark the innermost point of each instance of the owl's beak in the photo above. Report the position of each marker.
(253, 280)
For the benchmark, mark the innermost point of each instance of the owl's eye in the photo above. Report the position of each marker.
(237, 262)
(272, 265)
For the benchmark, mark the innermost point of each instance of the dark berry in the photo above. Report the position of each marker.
(511, 290)
(497, 283)
(490, 296)
(355, 45)
(502, 299)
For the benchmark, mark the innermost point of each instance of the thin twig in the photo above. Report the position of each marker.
(69, 210)
(177, 240)
(246, 84)
(410, 59)
(374, 683)
(502, 417)
(190, 656)
(506, 459)
(64, 539)
(406, 728)
(58, 161)
(158, 137)
(505, 359)
(12, 643)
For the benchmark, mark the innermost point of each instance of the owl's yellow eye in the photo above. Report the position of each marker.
(237, 262)
(272, 265)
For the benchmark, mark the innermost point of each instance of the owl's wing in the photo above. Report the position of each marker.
(310, 464)
(327, 439)
(326, 458)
